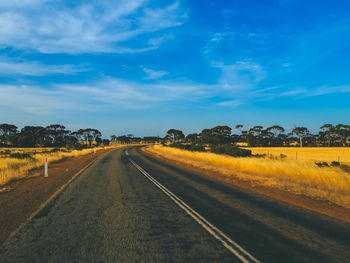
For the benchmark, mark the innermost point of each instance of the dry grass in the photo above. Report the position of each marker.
(14, 168)
(307, 153)
(301, 177)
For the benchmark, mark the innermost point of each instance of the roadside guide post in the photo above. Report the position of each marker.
(46, 168)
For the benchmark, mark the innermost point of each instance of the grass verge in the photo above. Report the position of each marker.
(16, 163)
(301, 177)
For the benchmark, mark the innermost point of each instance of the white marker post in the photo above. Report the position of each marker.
(46, 168)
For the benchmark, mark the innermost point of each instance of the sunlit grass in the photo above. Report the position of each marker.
(15, 168)
(296, 176)
(327, 154)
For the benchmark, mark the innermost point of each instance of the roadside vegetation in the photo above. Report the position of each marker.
(275, 136)
(317, 154)
(302, 177)
(16, 163)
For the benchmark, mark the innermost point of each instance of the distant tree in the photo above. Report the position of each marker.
(192, 138)
(343, 132)
(71, 141)
(274, 134)
(221, 135)
(105, 142)
(99, 140)
(6, 131)
(88, 135)
(241, 136)
(301, 132)
(113, 138)
(175, 135)
(151, 139)
(32, 136)
(253, 136)
(57, 134)
(206, 136)
(123, 139)
(326, 134)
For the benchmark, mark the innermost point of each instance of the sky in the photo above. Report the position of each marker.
(142, 67)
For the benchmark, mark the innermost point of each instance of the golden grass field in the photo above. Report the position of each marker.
(300, 176)
(327, 154)
(14, 168)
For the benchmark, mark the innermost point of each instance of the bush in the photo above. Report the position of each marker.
(230, 150)
(20, 155)
(188, 147)
(334, 163)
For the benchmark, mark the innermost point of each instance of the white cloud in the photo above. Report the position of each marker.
(230, 103)
(153, 74)
(241, 75)
(53, 27)
(10, 67)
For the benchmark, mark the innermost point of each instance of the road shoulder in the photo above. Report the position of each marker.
(23, 197)
(321, 207)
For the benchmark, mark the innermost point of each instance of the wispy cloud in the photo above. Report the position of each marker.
(11, 67)
(241, 75)
(59, 27)
(153, 74)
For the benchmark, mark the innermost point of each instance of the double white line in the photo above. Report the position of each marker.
(231, 245)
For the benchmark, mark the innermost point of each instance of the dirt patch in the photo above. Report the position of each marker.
(322, 207)
(19, 199)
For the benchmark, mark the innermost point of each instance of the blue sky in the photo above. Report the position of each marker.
(142, 66)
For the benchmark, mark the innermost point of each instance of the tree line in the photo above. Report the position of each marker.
(275, 136)
(57, 135)
(54, 135)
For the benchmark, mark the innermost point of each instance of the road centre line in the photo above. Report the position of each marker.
(231, 245)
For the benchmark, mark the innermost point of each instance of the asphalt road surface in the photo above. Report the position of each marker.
(129, 207)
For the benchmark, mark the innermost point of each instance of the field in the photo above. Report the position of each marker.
(326, 154)
(15, 163)
(301, 176)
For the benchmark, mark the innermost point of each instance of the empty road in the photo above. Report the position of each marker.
(129, 207)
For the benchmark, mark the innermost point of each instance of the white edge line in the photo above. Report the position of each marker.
(214, 231)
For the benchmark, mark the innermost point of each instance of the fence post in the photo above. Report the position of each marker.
(46, 168)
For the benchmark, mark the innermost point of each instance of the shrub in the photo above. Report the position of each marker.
(334, 163)
(231, 150)
(189, 147)
(20, 155)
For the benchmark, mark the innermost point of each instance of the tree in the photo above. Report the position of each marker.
(105, 142)
(205, 137)
(343, 131)
(57, 134)
(7, 130)
(113, 138)
(32, 136)
(88, 135)
(301, 132)
(275, 131)
(175, 135)
(151, 139)
(326, 133)
(221, 135)
(253, 136)
(192, 138)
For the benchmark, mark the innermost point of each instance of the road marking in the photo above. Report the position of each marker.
(231, 245)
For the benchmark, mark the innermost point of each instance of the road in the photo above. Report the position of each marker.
(129, 207)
